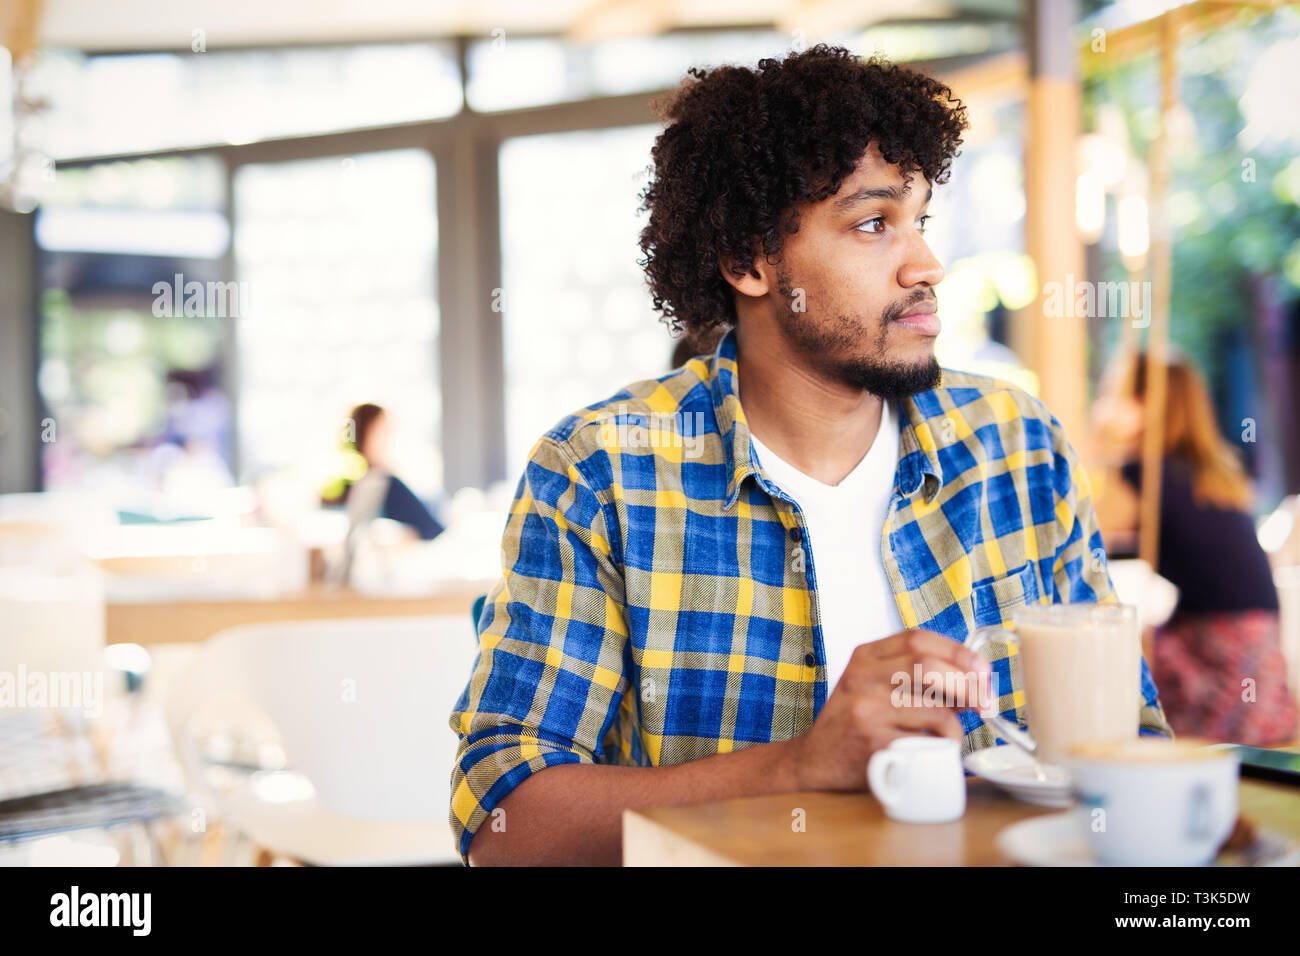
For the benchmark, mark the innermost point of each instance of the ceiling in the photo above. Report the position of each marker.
(100, 25)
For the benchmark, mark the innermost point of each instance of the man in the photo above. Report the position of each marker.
(712, 580)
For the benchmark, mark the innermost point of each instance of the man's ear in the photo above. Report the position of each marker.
(754, 283)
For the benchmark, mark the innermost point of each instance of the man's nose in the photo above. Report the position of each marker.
(920, 265)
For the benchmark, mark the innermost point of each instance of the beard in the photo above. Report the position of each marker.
(834, 347)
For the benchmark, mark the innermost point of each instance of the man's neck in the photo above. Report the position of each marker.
(821, 427)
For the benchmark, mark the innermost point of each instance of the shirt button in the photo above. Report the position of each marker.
(795, 534)
(809, 660)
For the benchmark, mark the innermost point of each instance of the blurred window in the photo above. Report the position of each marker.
(339, 256)
(928, 40)
(509, 73)
(578, 321)
(132, 381)
(106, 104)
(977, 233)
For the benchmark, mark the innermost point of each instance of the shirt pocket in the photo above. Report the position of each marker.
(993, 602)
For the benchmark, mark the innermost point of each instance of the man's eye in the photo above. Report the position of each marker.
(922, 222)
(863, 227)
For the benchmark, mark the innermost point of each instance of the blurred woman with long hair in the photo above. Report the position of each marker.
(1218, 660)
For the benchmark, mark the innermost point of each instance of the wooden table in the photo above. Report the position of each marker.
(154, 622)
(851, 829)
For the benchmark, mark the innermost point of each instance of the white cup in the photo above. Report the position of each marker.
(1154, 802)
(919, 779)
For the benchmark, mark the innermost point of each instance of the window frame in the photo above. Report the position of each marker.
(465, 148)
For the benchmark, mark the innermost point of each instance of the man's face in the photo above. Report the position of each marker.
(867, 279)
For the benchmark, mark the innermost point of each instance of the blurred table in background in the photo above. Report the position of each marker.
(168, 621)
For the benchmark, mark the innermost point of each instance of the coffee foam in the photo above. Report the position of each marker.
(1148, 750)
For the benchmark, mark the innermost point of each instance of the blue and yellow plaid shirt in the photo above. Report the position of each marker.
(658, 600)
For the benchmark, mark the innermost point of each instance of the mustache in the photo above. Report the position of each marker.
(898, 309)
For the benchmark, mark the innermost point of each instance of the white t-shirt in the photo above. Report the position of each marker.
(844, 524)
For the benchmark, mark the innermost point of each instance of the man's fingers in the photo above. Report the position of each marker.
(930, 644)
(937, 720)
(936, 682)
(918, 643)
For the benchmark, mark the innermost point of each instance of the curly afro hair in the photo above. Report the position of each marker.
(745, 147)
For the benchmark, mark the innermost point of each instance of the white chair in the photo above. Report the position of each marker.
(51, 595)
(361, 709)
(52, 625)
(1279, 533)
(1137, 583)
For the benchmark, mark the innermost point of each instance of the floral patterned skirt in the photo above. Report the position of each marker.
(1222, 676)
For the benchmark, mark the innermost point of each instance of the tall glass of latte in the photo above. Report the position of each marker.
(1080, 665)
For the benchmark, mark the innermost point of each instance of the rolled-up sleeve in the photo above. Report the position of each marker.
(549, 678)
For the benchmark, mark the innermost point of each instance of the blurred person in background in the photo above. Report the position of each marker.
(379, 493)
(191, 458)
(1225, 628)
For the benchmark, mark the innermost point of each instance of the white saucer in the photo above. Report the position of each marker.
(1013, 770)
(1061, 839)
(1057, 839)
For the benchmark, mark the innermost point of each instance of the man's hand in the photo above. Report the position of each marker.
(572, 813)
(861, 716)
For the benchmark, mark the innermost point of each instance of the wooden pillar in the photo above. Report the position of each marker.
(20, 28)
(1161, 277)
(1055, 347)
